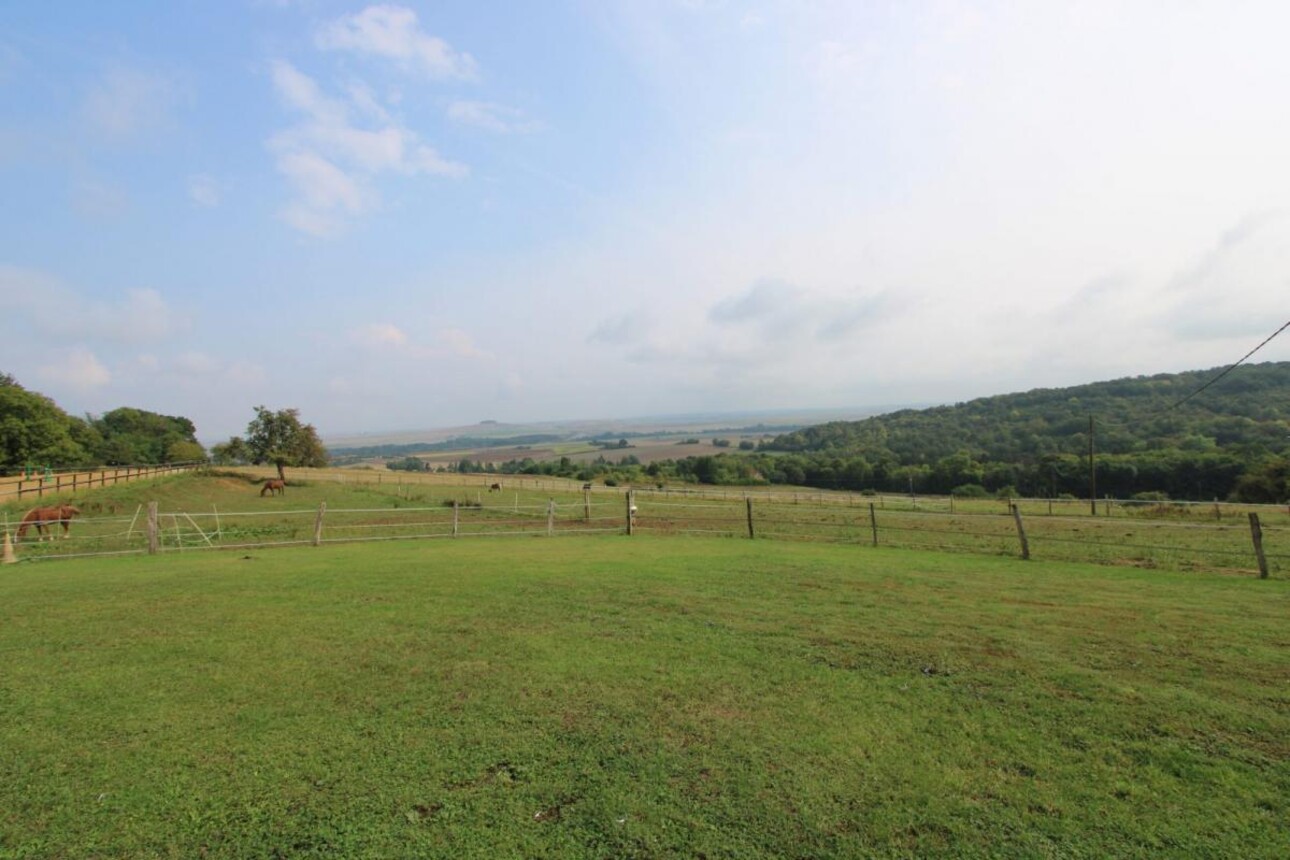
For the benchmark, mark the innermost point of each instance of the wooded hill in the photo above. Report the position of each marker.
(1148, 436)
(36, 434)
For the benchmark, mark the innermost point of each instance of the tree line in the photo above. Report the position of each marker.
(36, 434)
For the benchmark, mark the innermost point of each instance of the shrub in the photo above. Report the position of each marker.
(970, 491)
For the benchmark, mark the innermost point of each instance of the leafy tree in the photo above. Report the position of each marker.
(1268, 483)
(33, 430)
(279, 438)
(128, 435)
(231, 453)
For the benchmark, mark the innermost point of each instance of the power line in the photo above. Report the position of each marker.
(1231, 368)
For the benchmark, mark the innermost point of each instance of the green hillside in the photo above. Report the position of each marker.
(1037, 441)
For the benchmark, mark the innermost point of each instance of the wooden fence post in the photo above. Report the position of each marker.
(153, 535)
(455, 518)
(322, 511)
(1021, 533)
(631, 515)
(550, 517)
(586, 505)
(873, 522)
(1256, 533)
(751, 534)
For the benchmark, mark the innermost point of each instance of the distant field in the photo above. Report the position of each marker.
(615, 697)
(646, 450)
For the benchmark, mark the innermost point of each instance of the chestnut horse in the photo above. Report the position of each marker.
(47, 518)
(276, 486)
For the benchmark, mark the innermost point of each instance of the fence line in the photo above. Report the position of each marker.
(1142, 540)
(18, 487)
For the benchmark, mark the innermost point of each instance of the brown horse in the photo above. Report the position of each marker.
(276, 486)
(46, 518)
(495, 488)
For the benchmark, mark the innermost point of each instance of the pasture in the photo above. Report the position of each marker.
(226, 509)
(638, 697)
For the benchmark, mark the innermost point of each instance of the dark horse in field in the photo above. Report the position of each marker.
(495, 488)
(46, 518)
(275, 486)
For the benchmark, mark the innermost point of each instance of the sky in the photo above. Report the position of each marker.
(427, 214)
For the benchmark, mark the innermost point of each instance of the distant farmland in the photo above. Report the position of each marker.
(646, 450)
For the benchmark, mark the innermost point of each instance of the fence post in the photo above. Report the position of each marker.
(455, 518)
(322, 510)
(631, 515)
(550, 517)
(586, 505)
(1021, 533)
(152, 528)
(873, 522)
(40, 492)
(1256, 533)
(751, 535)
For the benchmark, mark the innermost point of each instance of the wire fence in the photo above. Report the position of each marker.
(1143, 536)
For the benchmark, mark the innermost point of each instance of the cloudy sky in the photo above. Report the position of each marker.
(427, 214)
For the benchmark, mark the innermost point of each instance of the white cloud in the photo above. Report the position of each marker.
(379, 335)
(491, 117)
(50, 307)
(78, 368)
(458, 343)
(394, 33)
(332, 162)
(204, 190)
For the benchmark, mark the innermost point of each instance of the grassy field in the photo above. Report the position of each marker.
(223, 509)
(643, 697)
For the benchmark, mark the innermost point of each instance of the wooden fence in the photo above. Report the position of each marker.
(20, 487)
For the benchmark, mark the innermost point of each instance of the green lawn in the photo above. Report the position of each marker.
(638, 697)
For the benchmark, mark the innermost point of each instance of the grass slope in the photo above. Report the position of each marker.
(615, 697)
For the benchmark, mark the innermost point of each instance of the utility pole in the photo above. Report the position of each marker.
(1092, 471)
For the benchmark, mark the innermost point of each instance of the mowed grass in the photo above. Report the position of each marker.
(638, 697)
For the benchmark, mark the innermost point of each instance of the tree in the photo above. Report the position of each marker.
(34, 431)
(230, 453)
(279, 438)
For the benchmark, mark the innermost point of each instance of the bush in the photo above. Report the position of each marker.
(970, 491)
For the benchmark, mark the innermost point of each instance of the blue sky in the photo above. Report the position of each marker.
(395, 216)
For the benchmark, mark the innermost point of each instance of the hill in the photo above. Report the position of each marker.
(1147, 434)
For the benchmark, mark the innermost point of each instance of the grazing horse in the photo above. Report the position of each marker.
(275, 486)
(47, 518)
(586, 487)
(495, 487)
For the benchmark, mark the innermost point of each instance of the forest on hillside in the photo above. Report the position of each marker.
(36, 434)
(1152, 436)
